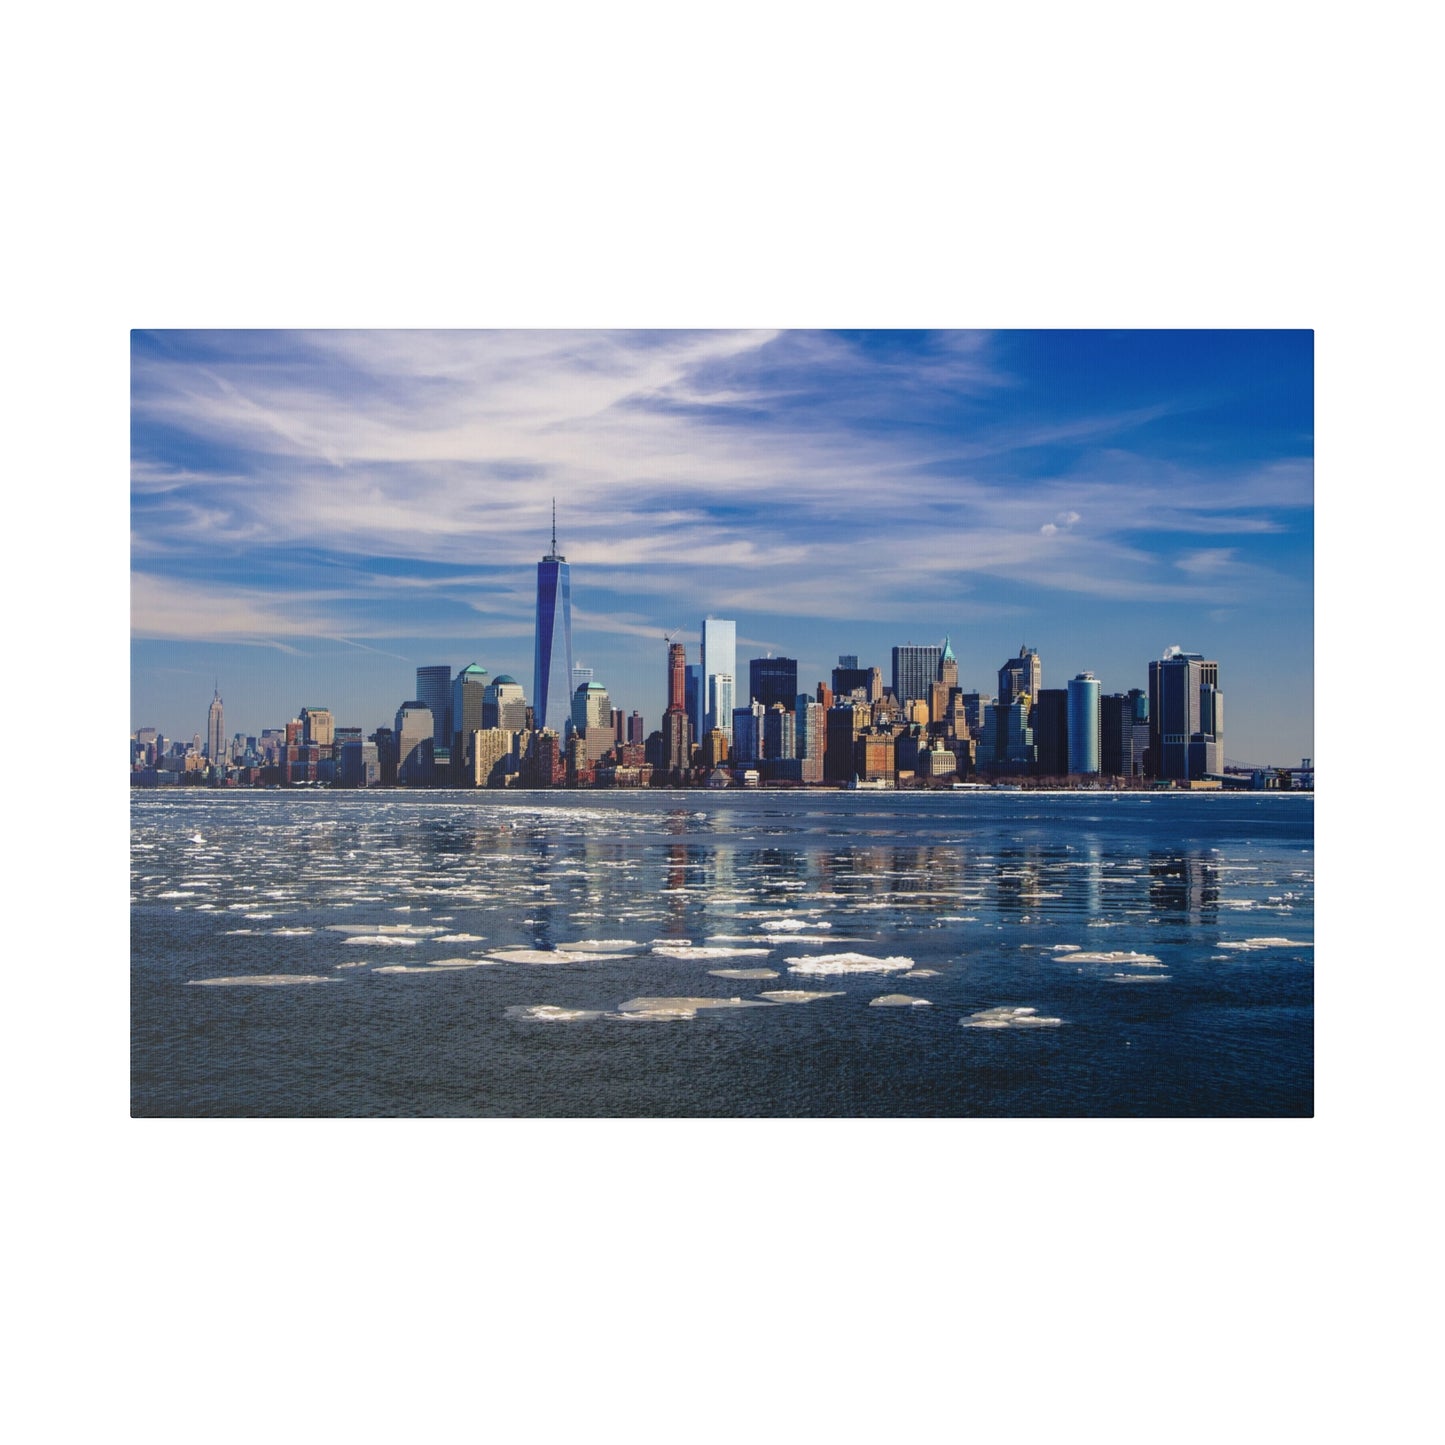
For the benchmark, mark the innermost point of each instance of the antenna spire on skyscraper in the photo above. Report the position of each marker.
(554, 526)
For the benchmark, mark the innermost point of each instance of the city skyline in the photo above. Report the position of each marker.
(1097, 496)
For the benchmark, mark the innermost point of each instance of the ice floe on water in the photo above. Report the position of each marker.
(417, 929)
(439, 965)
(826, 963)
(292, 932)
(689, 951)
(596, 945)
(265, 980)
(794, 925)
(1009, 1018)
(743, 972)
(1140, 977)
(381, 940)
(459, 938)
(795, 995)
(1249, 945)
(1144, 960)
(1065, 948)
(550, 1013)
(552, 956)
(898, 1000)
(679, 1008)
(920, 973)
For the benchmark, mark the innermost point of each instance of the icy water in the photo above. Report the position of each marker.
(690, 953)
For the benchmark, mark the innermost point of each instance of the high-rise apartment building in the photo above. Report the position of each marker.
(773, 680)
(318, 726)
(1084, 723)
(915, 670)
(1186, 717)
(719, 673)
(552, 656)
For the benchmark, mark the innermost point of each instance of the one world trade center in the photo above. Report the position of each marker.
(552, 663)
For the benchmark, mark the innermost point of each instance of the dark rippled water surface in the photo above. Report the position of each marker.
(417, 954)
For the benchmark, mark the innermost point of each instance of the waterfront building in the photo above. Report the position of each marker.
(810, 737)
(1051, 731)
(915, 670)
(360, 764)
(692, 697)
(874, 756)
(719, 671)
(318, 726)
(1084, 723)
(467, 706)
(844, 723)
(415, 734)
(1010, 738)
(552, 653)
(434, 692)
(215, 729)
(1020, 676)
(504, 705)
(747, 734)
(676, 725)
(974, 706)
(592, 718)
(715, 748)
(1123, 734)
(780, 738)
(773, 680)
(1186, 717)
(491, 756)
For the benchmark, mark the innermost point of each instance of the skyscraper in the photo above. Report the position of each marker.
(719, 673)
(772, 680)
(1019, 675)
(1084, 723)
(676, 725)
(552, 660)
(1186, 717)
(915, 670)
(434, 691)
(215, 729)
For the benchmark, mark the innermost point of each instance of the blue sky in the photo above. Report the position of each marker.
(316, 514)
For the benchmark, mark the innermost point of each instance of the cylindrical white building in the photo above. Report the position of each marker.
(1084, 723)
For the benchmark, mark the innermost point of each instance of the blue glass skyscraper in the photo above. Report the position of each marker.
(552, 660)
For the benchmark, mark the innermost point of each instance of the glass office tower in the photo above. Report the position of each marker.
(552, 660)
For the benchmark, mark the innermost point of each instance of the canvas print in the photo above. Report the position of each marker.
(765, 724)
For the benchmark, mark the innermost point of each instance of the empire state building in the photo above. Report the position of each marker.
(552, 660)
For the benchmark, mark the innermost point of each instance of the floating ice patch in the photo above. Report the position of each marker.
(551, 956)
(1249, 945)
(1009, 1018)
(292, 932)
(898, 1000)
(827, 963)
(459, 938)
(595, 945)
(920, 973)
(1146, 960)
(442, 965)
(356, 963)
(743, 972)
(794, 925)
(699, 951)
(679, 1008)
(265, 980)
(381, 940)
(550, 1013)
(1065, 948)
(175, 893)
(1140, 977)
(957, 918)
(795, 995)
